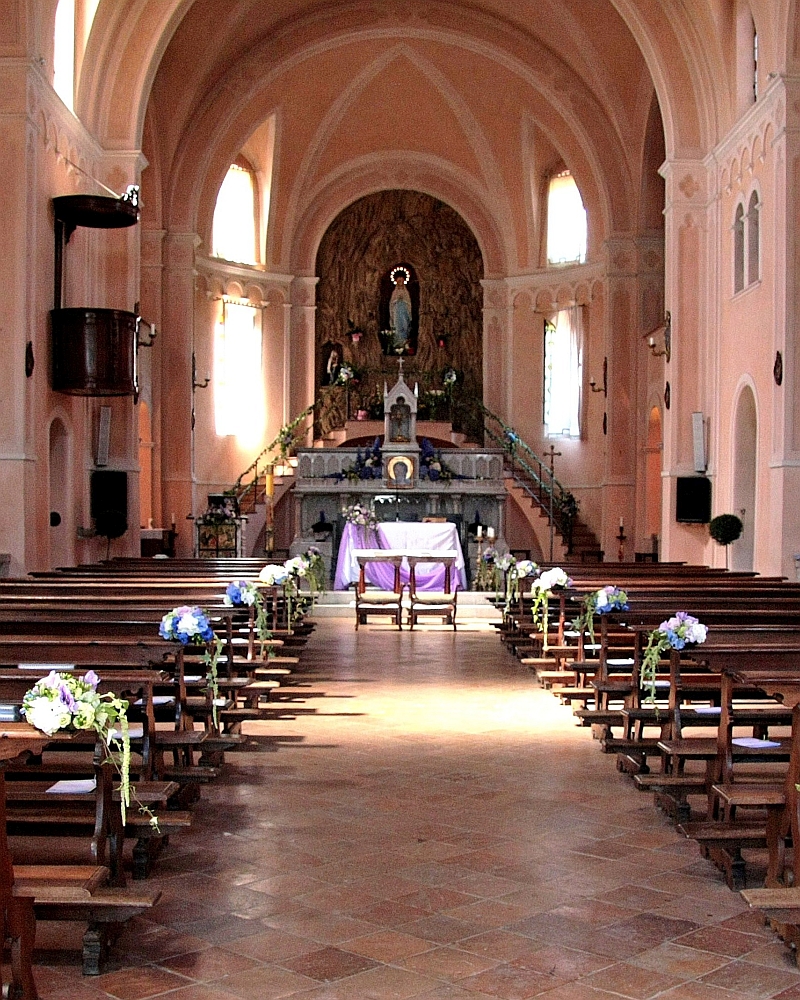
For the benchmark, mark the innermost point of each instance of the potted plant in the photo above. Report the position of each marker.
(725, 529)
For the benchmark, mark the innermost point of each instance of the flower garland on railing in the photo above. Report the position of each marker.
(519, 569)
(541, 592)
(190, 626)
(677, 632)
(599, 602)
(66, 702)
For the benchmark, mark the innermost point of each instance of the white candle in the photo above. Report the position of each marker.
(479, 532)
(172, 522)
(621, 524)
(490, 534)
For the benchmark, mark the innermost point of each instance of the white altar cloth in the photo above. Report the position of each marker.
(411, 537)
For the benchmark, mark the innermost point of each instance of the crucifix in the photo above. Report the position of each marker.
(552, 455)
(400, 365)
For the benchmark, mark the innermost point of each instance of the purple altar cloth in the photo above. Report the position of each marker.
(406, 536)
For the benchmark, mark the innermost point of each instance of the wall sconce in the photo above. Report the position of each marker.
(195, 384)
(666, 327)
(604, 387)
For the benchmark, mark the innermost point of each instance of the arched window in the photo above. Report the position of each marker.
(753, 239)
(563, 373)
(234, 229)
(738, 249)
(566, 221)
(64, 52)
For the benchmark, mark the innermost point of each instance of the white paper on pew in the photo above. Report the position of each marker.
(752, 743)
(158, 699)
(135, 732)
(708, 710)
(46, 666)
(192, 678)
(73, 786)
(622, 662)
(220, 701)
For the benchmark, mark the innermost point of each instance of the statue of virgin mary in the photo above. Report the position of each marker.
(400, 314)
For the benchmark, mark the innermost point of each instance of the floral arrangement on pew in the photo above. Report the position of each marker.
(245, 593)
(543, 587)
(599, 602)
(677, 632)
(519, 569)
(190, 626)
(66, 702)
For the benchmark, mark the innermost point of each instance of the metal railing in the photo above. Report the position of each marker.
(248, 488)
(533, 474)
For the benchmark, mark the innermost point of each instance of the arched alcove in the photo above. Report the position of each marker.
(60, 498)
(745, 441)
(652, 503)
(361, 249)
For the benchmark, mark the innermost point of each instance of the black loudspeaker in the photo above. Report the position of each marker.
(109, 502)
(693, 500)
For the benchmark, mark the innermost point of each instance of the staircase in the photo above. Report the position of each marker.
(542, 498)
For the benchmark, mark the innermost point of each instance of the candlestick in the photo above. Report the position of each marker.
(490, 534)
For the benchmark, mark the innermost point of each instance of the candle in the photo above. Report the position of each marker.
(172, 522)
(269, 481)
(621, 524)
(479, 532)
(490, 534)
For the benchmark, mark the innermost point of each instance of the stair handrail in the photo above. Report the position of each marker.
(548, 493)
(283, 441)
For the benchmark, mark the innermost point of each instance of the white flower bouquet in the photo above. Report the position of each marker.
(63, 702)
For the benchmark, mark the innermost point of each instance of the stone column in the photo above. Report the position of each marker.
(688, 276)
(19, 520)
(177, 437)
(497, 362)
(622, 350)
(300, 390)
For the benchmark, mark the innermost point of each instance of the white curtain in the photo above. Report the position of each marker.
(238, 377)
(563, 373)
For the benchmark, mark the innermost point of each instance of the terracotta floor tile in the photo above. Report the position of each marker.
(679, 961)
(510, 982)
(134, 984)
(631, 981)
(721, 940)
(210, 964)
(388, 945)
(328, 964)
(447, 963)
(564, 963)
(754, 980)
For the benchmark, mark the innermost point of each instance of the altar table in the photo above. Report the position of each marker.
(409, 537)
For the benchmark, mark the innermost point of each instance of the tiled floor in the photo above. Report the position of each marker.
(431, 825)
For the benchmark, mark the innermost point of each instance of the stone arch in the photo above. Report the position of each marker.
(61, 498)
(745, 472)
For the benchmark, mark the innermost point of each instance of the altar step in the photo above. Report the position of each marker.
(472, 605)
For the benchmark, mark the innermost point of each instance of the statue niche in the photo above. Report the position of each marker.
(400, 421)
(399, 310)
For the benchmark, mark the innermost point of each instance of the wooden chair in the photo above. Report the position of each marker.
(379, 602)
(438, 603)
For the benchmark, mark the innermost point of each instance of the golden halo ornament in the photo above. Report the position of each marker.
(391, 467)
(400, 270)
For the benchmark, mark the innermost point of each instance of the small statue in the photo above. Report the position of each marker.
(400, 421)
